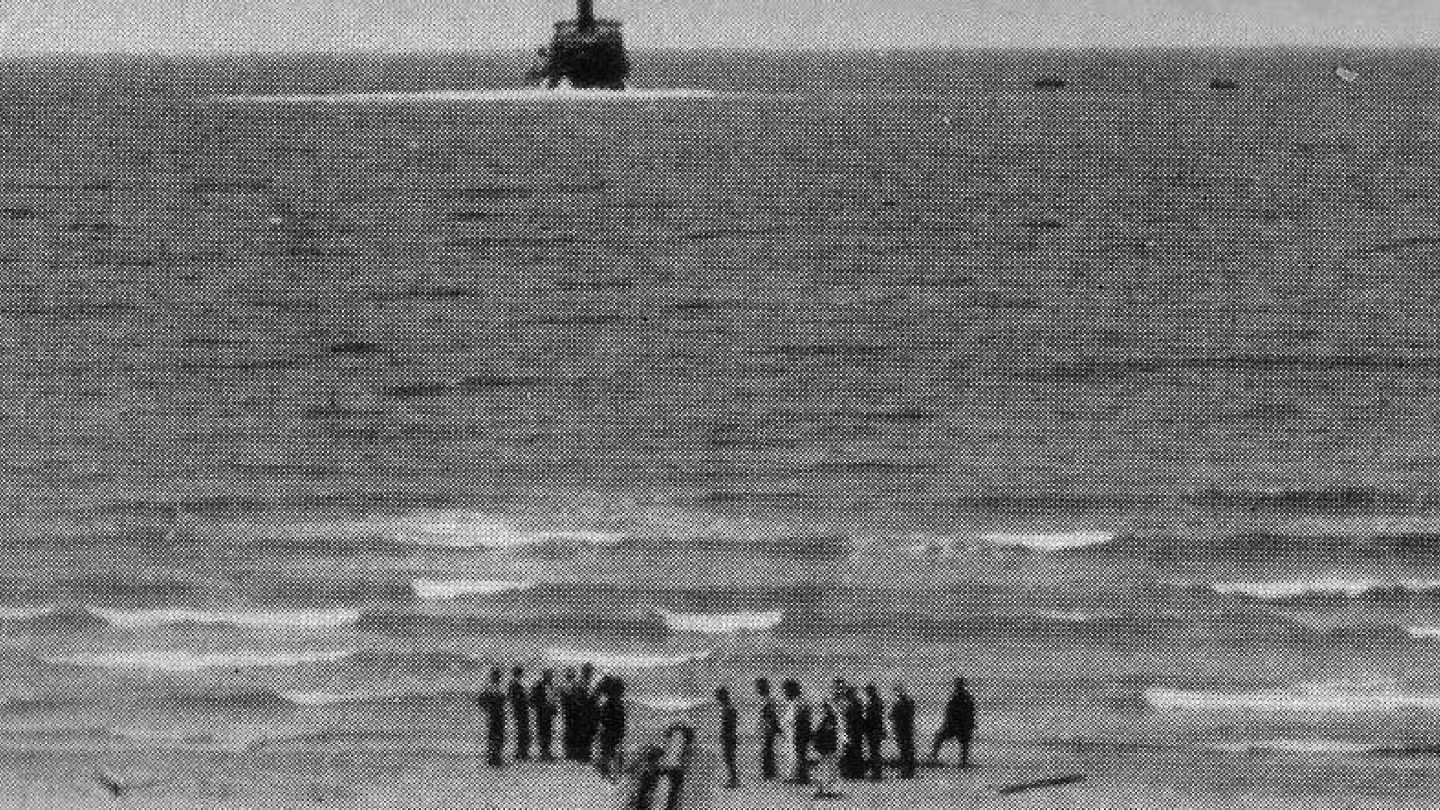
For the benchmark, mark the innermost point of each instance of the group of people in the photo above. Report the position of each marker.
(592, 713)
(846, 733)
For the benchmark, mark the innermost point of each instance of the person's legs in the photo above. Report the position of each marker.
(907, 759)
(941, 737)
(767, 758)
(965, 749)
(877, 761)
(730, 767)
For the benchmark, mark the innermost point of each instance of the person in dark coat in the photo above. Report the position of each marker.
(570, 715)
(902, 725)
(798, 723)
(729, 735)
(520, 713)
(610, 730)
(587, 701)
(852, 752)
(542, 705)
(492, 702)
(959, 723)
(827, 743)
(875, 731)
(769, 728)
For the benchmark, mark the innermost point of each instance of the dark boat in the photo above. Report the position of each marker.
(1049, 83)
(1224, 84)
(584, 52)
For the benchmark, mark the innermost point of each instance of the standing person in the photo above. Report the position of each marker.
(959, 723)
(797, 724)
(492, 702)
(729, 735)
(520, 713)
(570, 715)
(610, 729)
(852, 753)
(587, 700)
(902, 724)
(875, 731)
(542, 705)
(769, 728)
(827, 742)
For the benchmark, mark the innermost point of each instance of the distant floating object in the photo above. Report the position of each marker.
(1345, 74)
(1224, 84)
(1050, 83)
(586, 52)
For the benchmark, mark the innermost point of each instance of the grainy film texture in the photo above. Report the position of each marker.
(631, 405)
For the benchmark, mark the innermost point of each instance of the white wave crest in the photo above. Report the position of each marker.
(1426, 632)
(1300, 699)
(440, 590)
(519, 95)
(294, 620)
(1063, 541)
(20, 614)
(461, 530)
(1332, 586)
(613, 660)
(185, 661)
(671, 703)
(720, 624)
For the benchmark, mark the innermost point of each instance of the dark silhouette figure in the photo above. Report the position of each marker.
(959, 723)
(610, 730)
(570, 714)
(542, 705)
(827, 743)
(492, 702)
(520, 713)
(852, 753)
(729, 735)
(902, 725)
(769, 728)
(875, 731)
(800, 719)
(587, 702)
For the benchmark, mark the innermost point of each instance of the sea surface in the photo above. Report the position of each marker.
(327, 382)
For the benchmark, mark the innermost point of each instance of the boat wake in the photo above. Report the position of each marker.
(520, 95)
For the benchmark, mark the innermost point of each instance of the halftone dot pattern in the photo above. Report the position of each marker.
(1104, 380)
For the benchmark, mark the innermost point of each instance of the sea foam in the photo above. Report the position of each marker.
(461, 530)
(520, 95)
(186, 661)
(719, 624)
(1300, 699)
(614, 660)
(439, 590)
(1064, 541)
(1327, 586)
(281, 621)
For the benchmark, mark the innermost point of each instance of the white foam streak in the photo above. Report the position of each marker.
(1333, 586)
(611, 660)
(20, 614)
(475, 531)
(1431, 632)
(670, 703)
(1319, 699)
(1065, 541)
(520, 95)
(720, 624)
(298, 620)
(185, 661)
(1316, 747)
(442, 590)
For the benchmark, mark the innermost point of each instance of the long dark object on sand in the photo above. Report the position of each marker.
(1054, 781)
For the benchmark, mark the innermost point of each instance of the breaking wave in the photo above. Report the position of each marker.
(719, 624)
(297, 620)
(442, 590)
(1321, 747)
(185, 661)
(672, 703)
(463, 530)
(1300, 699)
(1064, 541)
(619, 660)
(1330, 586)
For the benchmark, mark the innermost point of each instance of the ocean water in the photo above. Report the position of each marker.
(327, 382)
